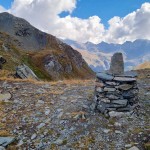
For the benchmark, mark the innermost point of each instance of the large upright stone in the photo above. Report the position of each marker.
(117, 64)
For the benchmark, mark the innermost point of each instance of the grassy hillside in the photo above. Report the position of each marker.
(145, 65)
(35, 59)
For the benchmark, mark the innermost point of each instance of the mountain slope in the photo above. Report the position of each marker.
(145, 65)
(41, 51)
(134, 53)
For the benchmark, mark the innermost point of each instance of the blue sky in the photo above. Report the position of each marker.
(128, 19)
(105, 9)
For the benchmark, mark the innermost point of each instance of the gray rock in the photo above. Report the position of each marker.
(92, 106)
(109, 89)
(33, 136)
(118, 132)
(99, 89)
(5, 141)
(115, 114)
(120, 102)
(117, 64)
(128, 94)
(2, 148)
(58, 141)
(105, 100)
(134, 148)
(41, 125)
(128, 145)
(104, 76)
(47, 111)
(5, 96)
(112, 97)
(25, 72)
(106, 130)
(124, 79)
(111, 83)
(125, 87)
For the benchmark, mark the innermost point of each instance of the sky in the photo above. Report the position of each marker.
(112, 21)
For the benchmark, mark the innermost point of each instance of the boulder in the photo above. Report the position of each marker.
(24, 72)
(5, 141)
(117, 64)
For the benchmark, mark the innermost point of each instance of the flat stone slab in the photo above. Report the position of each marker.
(125, 87)
(120, 102)
(104, 76)
(106, 89)
(4, 141)
(124, 79)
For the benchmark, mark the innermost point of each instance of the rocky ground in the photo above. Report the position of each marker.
(58, 116)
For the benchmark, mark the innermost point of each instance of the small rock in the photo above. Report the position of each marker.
(33, 136)
(115, 114)
(109, 89)
(20, 143)
(106, 130)
(40, 102)
(40, 91)
(58, 141)
(124, 79)
(92, 106)
(63, 98)
(41, 125)
(134, 148)
(5, 96)
(118, 132)
(47, 111)
(60, 115)
(98, 89)
(105, 100)
(128, 145)
(120, 102)
(2, 148)
(117, 124)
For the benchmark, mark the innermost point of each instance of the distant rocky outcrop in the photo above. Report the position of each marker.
(48, 56)
(135, 53)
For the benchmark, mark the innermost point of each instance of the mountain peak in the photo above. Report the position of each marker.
(52, 57)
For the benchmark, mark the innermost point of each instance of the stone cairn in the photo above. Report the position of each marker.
(116, 91)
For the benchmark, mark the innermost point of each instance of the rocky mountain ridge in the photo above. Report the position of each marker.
(44, 53)
(98, 55)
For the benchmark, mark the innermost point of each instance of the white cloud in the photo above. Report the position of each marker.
(2, 9)
(133, 26)
(44, 14)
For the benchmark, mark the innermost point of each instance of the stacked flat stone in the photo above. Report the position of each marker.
(115, 92)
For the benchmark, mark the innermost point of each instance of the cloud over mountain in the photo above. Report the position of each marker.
(44, 14)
